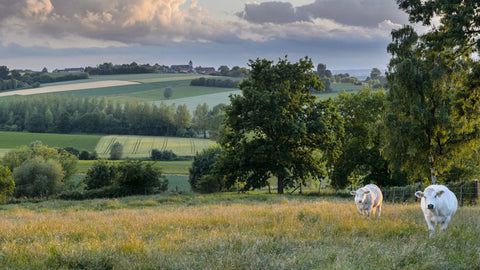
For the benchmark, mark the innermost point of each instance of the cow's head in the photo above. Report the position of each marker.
(430, 196)
(360, 195)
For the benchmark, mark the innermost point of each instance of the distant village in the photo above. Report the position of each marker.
(159, 68)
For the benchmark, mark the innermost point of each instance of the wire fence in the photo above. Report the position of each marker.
(467, 192)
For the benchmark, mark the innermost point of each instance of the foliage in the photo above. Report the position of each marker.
(201, 119)
(276, 127)
(228, 83)
(109, 69)
(167, 93)
(7, 185)
(86, 155)
(17, 157)
(165, 155)
(138, 177)
(361, 157)
(116, 152)
(236, 71)
(68, 114)
(102, 173)
(202, 175)
(37, 177)
(432, 117)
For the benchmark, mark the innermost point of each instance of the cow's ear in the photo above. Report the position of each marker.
(439, 194)
(353, 192)
(419, 194)
(366, 192)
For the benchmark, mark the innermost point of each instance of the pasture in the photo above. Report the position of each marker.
(230, 231)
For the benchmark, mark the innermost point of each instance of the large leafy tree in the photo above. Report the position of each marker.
(361, 144)
(433, 110)
(275, 127)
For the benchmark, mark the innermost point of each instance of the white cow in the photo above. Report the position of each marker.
(368, 198)
(438, 205)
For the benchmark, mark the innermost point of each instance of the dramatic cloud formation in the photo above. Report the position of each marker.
(189, 29)
(127, 21)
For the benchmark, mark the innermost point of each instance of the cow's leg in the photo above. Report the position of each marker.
(445, 224)
(379, 210)
(431, 226)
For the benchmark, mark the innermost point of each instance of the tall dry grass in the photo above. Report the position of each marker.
(266, 232)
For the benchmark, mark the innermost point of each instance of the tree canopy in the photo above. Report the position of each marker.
(276, 127)
(433, 109)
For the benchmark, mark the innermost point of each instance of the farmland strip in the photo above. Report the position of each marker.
(137, 145)
(112, 141)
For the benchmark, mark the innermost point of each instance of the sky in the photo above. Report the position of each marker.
(57, 34)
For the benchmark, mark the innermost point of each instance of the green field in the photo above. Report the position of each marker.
(230, 231)
(133, 146)
(141, 146)
(10, 140)
(151, 87)
(167, 167)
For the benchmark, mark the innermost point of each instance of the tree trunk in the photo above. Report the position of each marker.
(280, 184)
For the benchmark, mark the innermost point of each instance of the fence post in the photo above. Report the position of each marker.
(461, 194)
(393, 196)
(403, 194)
(476, 189)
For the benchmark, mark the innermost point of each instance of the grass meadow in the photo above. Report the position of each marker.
(230, 231)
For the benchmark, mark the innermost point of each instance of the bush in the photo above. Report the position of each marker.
(202, 165)
(209, 184)
(38, 178)
(7, 185)
(85, 155)
(116, 152)
(165, 155)
(100, 174)
(138, 177)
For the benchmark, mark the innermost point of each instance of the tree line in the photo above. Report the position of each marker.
(14, 79)
(68, 114)
(110, 69)
(210, 82)
(423, 130)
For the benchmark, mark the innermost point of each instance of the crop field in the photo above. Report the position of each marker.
(230, 231)
(141, 146)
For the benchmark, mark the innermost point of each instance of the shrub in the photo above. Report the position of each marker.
(165, 155)
(209, 183)
(202, 166)
(100, 174)
(138, 177)
(38, 178)
(85, 155)
(116, 152)
(7, 184)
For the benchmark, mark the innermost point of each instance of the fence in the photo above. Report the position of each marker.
(466, 192)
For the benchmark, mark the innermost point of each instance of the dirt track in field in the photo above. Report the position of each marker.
(67, 87)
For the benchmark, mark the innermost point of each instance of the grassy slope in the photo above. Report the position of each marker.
(230, 231)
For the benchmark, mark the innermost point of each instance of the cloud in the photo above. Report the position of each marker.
(360, 13)
(268, 12)
(127, 21)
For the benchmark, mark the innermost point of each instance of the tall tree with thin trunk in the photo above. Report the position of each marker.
(432, 115)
